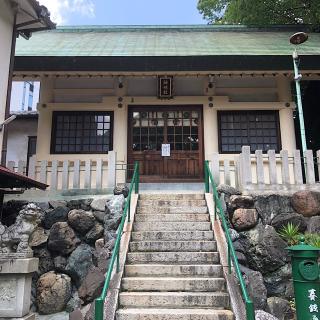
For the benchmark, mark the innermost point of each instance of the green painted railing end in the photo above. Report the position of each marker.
(98, 309)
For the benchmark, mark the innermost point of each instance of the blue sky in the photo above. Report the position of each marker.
(123, 12)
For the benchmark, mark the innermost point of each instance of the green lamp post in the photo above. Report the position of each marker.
(296, 39)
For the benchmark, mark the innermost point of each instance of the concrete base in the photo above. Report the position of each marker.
(15, 287)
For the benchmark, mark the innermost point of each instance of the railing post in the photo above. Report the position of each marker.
(206, 176)
(250, 311)
(98, 310)
(129, 201)
(137, 177)
(118, 262)
(111, 174)
(229, 259)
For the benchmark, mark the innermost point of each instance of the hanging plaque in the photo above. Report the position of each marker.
(165, 150)
(165, 87)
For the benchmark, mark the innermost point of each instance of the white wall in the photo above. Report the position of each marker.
(18, 132)
(6, 26)
(20, 96)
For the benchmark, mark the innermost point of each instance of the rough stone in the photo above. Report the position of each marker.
(242, 259)
(265, 250)
(62, 238)
(79, 263)
(115, 206)
(284, 218)
(270, 206)
(94, 233)
(99, 244)
(57, 316)
(53, 292)
(245, 202)
(60, 263)
(80, 220)
(226, 189)
(314, 224)
(101, 258)
(239, 247)
(55, 204)
(234, 234)
(45, 260)
(99, 215)
(244, 219)
(280, 308)
(279, 283)
(38, 237)
(92, 285)
(256, 288)
(262, 315)
(74, 303)
(100, 203)
(306, 202)
(121, 189)
(59, 214)
(11, 210)
(112, 224)
(83, 204)
(76, 315)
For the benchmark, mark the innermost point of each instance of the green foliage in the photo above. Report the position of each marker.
(290, 233)
(260, 12)
(312, 239)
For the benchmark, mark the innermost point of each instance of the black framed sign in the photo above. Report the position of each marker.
(165, 87)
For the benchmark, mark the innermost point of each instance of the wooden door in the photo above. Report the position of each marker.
(181, 127)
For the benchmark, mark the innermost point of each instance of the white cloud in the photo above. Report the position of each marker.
(60, 9)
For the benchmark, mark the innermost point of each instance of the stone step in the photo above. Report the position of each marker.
(166, 210)
(176, 203)
(173, 246)
(192, 217)
(218, 300)
(169, 235)
(171, 226)
(171, 196)
(173, 284)
(173, 257)
(173, 314)
(165, 270)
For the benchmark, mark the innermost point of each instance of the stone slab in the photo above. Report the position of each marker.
(171, 226)
(177, 235)
(30, 316)
(18, 266)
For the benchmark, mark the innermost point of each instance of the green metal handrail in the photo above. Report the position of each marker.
(99, 302)
(231, 252)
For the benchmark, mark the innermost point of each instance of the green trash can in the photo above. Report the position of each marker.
(306, 281)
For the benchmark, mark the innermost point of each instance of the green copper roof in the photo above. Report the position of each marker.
(193, 40)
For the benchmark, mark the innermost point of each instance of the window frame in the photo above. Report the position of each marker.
(249, 112)
(54, 123)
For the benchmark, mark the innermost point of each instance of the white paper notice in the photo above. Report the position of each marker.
(165, 150)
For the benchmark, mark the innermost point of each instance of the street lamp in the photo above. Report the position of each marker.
(296, 39)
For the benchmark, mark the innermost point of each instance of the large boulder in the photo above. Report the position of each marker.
(255, 286)
(228, 190)
(99, 204)
(279, 282)
(283, 219)
(53, 292)
(79, 263)
(314, 224)
(121, 189)
(237, 201)
(92, 285)
(94, 233)
(80, 220)
(115, 206)
(59, 214)
(62, 238)
(60, 263)
(306, 202)
(244, 219)
(57, 203)
(270, 206)
(46, 263)
(280, 308)
(83, 204)
(38, 237)
(262, 315)
(265, 250)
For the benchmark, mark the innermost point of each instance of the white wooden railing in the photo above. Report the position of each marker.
(99, 173)
(267, 171)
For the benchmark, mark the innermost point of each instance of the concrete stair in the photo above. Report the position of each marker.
(173, 269)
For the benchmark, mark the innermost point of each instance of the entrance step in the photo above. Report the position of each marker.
(198, 246)
(173, 257)
(173, 284)
(172, 196)
(218, 300)
(169, 235)
(164, 270)
(171, 226)
(180, 217)
(173, 314)
(168, 209)
(177, 203)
